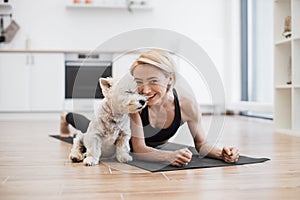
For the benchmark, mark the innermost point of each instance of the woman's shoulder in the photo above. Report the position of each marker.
(188, 105)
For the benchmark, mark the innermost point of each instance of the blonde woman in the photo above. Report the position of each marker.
(166, 111)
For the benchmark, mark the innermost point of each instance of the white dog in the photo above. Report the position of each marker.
(108, 135)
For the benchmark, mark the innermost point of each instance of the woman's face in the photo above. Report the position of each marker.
(152, 82)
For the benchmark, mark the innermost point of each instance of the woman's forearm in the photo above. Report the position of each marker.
(209, 150)
(152, 154)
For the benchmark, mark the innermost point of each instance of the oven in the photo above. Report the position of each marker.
(82, 73)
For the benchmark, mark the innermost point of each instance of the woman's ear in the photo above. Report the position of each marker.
(171, 79)
(170, 82)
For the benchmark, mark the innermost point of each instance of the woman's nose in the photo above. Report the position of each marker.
(144, 89)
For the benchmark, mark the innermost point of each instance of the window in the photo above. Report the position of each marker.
(257, 53)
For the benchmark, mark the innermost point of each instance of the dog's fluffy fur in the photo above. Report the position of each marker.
(108, 135)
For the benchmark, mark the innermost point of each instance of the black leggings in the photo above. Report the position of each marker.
(78, 121)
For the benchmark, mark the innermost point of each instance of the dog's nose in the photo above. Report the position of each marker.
(142, 102)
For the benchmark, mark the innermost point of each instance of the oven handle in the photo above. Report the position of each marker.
(89, 64)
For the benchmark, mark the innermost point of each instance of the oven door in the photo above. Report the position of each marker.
(82, 79)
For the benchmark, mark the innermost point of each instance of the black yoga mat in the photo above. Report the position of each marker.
(196, 162)
(68, 139)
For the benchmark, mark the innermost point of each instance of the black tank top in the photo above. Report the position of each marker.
(156, 135)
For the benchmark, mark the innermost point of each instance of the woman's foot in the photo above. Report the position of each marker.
(64, 126)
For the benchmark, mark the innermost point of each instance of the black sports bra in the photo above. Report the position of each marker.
(156, 135)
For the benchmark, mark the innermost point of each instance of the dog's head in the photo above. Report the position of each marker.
(122, 94)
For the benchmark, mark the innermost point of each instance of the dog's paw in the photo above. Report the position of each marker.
(76, 156)
(124, 157)
(90, 161)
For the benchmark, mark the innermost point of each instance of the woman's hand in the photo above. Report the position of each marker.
(230, 154)
(181, 157)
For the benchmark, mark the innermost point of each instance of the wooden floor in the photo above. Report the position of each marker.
(35, 166)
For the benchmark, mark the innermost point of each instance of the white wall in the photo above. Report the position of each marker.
(213, 24)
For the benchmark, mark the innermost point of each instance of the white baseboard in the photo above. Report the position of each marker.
(251, 106)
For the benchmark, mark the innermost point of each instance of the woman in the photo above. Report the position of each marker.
(154, 73)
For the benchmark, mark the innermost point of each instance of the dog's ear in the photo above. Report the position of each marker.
(105, 83)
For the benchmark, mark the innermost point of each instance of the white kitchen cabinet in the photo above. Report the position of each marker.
(14, 82)
(31, 82)
(47, 82)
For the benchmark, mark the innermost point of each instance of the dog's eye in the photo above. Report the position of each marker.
(130, 92)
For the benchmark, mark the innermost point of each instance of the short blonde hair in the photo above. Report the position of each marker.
(157, 58)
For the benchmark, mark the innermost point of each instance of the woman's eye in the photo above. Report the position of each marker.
(139, 83)
(153, 81)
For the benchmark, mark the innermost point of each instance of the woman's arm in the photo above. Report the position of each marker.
(193, 117)
(142, 151)
(199, 136)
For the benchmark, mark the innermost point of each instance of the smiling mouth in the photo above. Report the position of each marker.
(151, 97)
